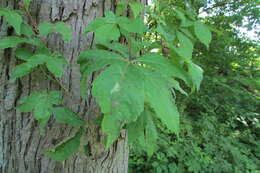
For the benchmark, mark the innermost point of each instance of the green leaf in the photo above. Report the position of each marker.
(42, 110)
(59, 27)
(46, 28)
(144, 132)
(25, 68)
(93, 60)
(118, 47)
(165, 32)
(66, 148)
(23, 53)
(36, 42)
(185, 48)
(27, 30)
(65, 31)
(159, 97)
(136, 8)
(56, 65)
(120, 94)
(41, 104)
(21, 70)
(106, 33)
(65, 115)
(98, 55)
(111, 126)
(27, 104)
(161, 64)
(180, 15)
(203, 33)
(119, 90)
(150, 136)
(11, 42)
(98, 22)
(175, 84)
(13, 18)
(55, 97)
(196, 74)
(132, 25)
(136, 128)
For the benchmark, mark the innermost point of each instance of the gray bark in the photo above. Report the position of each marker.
(21, 145)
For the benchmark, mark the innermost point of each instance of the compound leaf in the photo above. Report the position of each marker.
(41, 104)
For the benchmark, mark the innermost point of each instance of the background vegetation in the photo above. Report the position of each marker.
(220, 123)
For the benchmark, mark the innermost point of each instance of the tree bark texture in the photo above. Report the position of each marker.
(21, 145)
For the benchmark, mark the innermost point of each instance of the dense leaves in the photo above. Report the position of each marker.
(129, 83)
(42, 105)
(219, 130)
(136, 78)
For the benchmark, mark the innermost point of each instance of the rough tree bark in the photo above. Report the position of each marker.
(21, 146)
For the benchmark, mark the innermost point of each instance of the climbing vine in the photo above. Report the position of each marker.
(139, 65)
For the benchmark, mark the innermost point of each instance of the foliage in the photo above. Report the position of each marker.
(219, 133)
(219, 130)
(134, 83)
(137, 87)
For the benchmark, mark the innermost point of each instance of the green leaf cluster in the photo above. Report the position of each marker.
(130, 86)
(111, 27)
(43, 103)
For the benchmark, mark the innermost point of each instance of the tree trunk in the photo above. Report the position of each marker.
(21, 145)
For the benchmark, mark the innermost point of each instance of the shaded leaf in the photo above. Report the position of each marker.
(11, 42)
(65, 115)
(185, 47)
(66, 148)
(23, 53)
(203, 33)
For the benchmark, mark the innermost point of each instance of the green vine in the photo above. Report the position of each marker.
(137, 81)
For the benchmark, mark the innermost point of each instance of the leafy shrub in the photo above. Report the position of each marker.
(219, 133)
